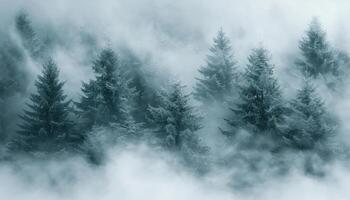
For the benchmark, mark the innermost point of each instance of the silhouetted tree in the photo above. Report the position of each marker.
(218, 75)
(88, 106)
(141, 80)
(105, 99)
(13, 83)
(309, 124)
(27, 34)
(175, 120)
(317, 55)
(260, 107)
(46, 126)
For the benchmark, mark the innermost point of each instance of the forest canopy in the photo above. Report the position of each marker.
(239, 112)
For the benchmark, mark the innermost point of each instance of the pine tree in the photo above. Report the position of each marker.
(141, 81)
(46, 126)
(104, 99)
(88, 107)
(13, 83)
(260, 106)
(175, 121)
(217, 76)
(309, 124)
(317, 55)
(142, 98)
(27, 34)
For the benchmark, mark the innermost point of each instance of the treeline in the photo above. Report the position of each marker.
(256, 100)
(120, 105)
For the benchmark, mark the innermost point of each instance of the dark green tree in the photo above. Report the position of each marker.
(88, 106)
(317, 55)
(105, 99)
(260, 106)
(142, 81)
(175, 120)
(144, 96)
(13, 84)
(46, 126)
(309, 124)
(218, 75)
(27, 34)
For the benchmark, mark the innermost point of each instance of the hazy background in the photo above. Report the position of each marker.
(174, 37)
(177, 34)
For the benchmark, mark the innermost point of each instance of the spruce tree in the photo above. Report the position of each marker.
(27, 34)
(143, 97)
(13, 83)
(309, 124)
(105, 99)
(260, 105)
(317, 55)
(88, 106)
(141, 80)
(175, 121)
(217, 76)
(46, 126)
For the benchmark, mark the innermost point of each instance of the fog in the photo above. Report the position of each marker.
(177, 34)
(172, 38)
(138, 173)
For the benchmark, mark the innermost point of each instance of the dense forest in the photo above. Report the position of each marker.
(265, 129)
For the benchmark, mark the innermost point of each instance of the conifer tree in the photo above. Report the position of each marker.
(142, 83)
(175, 120)
(88, 106)
(27, 34)
(13, 83)
(46, 126)
(309, 124)
(317, 55)
(260, 106)
(104, 99)
(218, 75)
(143, 97)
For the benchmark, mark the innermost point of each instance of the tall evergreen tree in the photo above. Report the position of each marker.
(175, 121)
(13, 83)
(141, 80)
(88, 106)
(260, 106)
(104, 99)
(46, 126)
(217, 76)
(317, 55)
(144, 96)
(309, 124)
(27, 34)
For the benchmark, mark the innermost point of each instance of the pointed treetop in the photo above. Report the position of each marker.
(27, 34)
(260, 61)
(22, 20)
(261, 102)
(107, 61)
(317, 55)
(46, 125)
(221, 41)
(217, 76)
(50, 68)
(307, 101)
(315, 35)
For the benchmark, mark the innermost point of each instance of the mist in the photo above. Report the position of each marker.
(177, 35)
(138, 173)
(167, 42)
